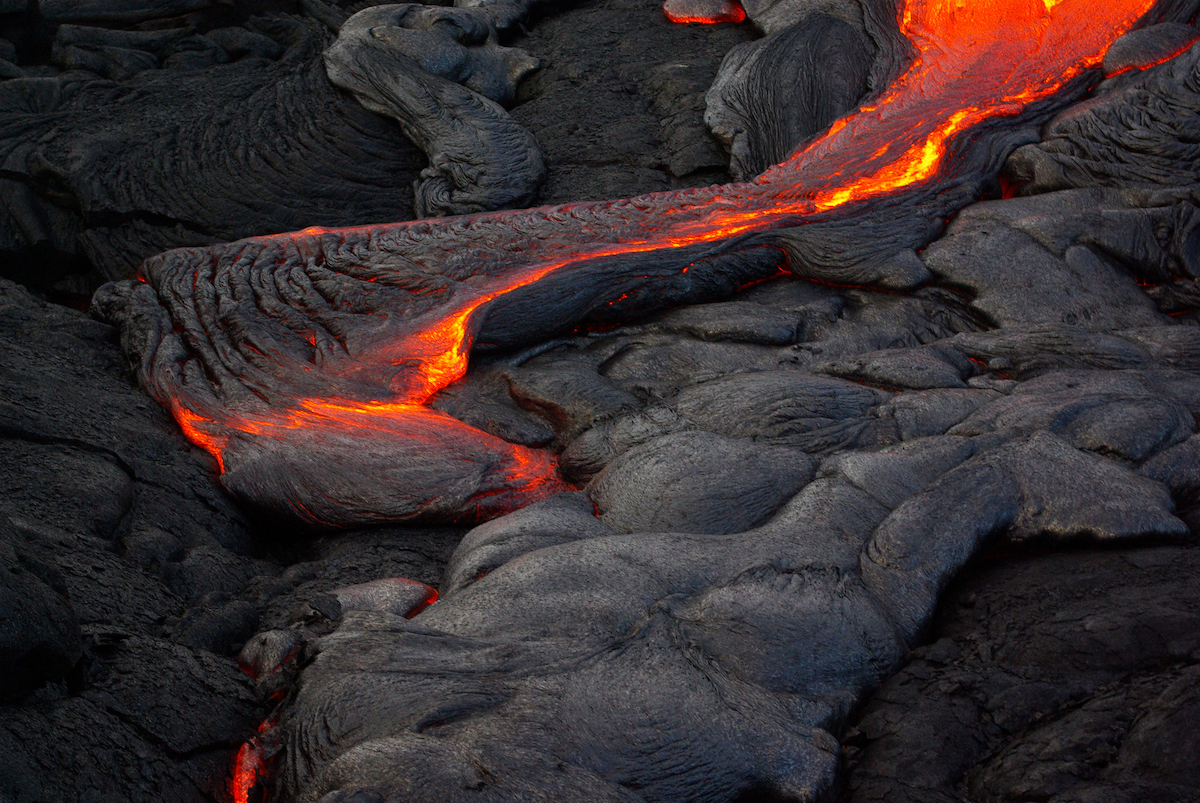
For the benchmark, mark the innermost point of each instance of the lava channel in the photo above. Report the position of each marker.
(310, 358)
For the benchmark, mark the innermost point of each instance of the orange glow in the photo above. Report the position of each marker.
(974, 60)
(196, 429)
(430, 598)
(524, 475)
(249, 769)
(721, 11)
(1154, 63)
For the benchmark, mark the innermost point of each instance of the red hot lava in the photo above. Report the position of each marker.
(975, 60)
(704, 11)
(251, 769)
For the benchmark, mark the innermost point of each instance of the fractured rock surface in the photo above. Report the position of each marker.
(805, 611)
(440, 73)
(110, 524)
(131, 578)
(281, 149)
(196, 139)
(131, 581)
(1052, 677)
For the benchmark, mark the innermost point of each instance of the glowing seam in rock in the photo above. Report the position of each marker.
(731, 11)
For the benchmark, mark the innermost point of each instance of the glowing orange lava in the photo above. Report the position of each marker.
(707, 12)
(431, 596)
(249, 770)
(975, 60)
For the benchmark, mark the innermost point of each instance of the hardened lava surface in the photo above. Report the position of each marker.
(131, 578)
(775, 490)
(759, 496)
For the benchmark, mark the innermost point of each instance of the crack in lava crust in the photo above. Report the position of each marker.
(303, 362)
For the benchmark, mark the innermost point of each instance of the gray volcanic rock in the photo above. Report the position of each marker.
(326, 563)
(1111, 412)
(932, 412)
(810, 412)
(764, 540)
(282, 149)
(1034, 435)
(39, 631)
(1178, 468)
(1047, 676)
(408, 61)
(155, 719)
(112, 11)
(801, 79)
(561, 518)
(767, 633)
(697, 482)
(738, 321)
(655, 367)
(485, 401)
(618, 103)
(199, 139)
(1084, 251)
(596, 447)
(102, 462)
(129, 579)
(122, 54)
(919, 368)
(571, 396)
(277, 352)
(1147, 46)
(101, 505)
(1137, 130)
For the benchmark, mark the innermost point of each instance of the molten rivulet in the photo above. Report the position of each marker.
(303, 362)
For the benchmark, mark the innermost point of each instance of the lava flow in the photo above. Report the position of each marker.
(974, 61)
(251, 769)
(704, 11)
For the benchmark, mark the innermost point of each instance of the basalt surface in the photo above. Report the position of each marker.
(757, 492)
(201, 134)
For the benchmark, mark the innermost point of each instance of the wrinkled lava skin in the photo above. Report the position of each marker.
(677, 666)
(302, 361)
(598, 646)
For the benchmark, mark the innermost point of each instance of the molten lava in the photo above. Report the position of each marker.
(431, 596)
(704, 11)
(252, 768)
(975, 60)
(248, 772)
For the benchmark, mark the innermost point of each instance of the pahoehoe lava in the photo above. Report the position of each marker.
(615, 647)
(725, 447)
(304, 361)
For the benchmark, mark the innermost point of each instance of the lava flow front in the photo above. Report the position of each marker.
(362, 345)
(704, 11)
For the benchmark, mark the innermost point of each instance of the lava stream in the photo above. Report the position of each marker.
(975, 60)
